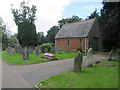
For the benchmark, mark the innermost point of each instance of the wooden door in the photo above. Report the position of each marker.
(95, 43)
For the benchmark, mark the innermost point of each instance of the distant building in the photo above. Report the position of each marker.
(82, 34)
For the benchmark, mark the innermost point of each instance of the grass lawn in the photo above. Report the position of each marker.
(98, 76)
(17, 58)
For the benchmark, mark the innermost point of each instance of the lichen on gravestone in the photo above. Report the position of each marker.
(89, 58)
(25, 54)
(78, 62)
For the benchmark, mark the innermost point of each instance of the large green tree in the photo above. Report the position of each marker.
(111, 32)
(69, 20)
(41, 38)
(52, 33)
(4, 37)
(24, 18)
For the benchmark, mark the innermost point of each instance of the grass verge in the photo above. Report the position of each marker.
(17, 58)
(99, 76)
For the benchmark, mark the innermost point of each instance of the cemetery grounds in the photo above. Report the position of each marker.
(98, 76)
(17, 59)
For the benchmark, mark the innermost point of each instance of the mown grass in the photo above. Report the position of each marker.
(98, 76)
(17, 58)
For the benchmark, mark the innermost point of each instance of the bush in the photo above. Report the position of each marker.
(46, 45)
(52, 44)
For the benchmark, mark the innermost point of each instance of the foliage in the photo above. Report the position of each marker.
(52, 33)
(97, 77)
(13, 39)
(69, 20)
(24, 19)
(41, 38)
(46, 45)
(4, 35)
(93, 15)
(111, 32)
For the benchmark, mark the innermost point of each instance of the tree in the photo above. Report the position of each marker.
(3, 35)
(111, 32)
(69, 20)
(24, 19)
(41, 38)
(13, 39)
(93, 15)
(52, 33)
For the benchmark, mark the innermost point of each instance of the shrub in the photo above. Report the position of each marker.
(46, 45)
(52, 44)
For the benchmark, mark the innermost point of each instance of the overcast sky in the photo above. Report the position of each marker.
(49, 11)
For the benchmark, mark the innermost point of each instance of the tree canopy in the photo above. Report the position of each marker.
(24, 18)
(111, 32)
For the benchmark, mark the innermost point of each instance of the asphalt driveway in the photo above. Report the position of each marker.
(26, 76)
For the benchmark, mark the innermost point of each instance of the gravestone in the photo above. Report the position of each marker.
(45, 50)
(17, 48)
(89, 58)
(12, 51)
(78, 62)
(25, 54)
(56, 50)
(37, 51)
(30, 49)
(20, 50)
(110, 55)
(53, 50)
(8, 49)
(49, 56)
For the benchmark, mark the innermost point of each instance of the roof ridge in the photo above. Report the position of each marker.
(79, 21)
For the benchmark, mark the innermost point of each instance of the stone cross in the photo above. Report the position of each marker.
(110, 55)
(89, 58)
(25, 54)
(78, 62)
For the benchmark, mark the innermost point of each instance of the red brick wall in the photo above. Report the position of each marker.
(74, 43)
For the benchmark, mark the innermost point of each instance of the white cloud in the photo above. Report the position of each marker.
(48, 13)
(92, 7)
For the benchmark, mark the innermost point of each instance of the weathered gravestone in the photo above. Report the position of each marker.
(25, 54)
(16, 47)
(78, 62)
(49, 56)
(110, 55)
(45, 50)
(89, 58)
(56, 50)
(53, 50)
(12, 51)
(8, 49)
(20, 51)
(30, 49)
(37, 51)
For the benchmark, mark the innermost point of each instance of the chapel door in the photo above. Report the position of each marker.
(95, 43)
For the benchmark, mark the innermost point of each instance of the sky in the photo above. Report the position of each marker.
(49, 12)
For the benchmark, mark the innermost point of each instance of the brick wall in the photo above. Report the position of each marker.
(74, 43)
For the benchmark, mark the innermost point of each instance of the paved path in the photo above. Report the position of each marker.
(26, 76)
